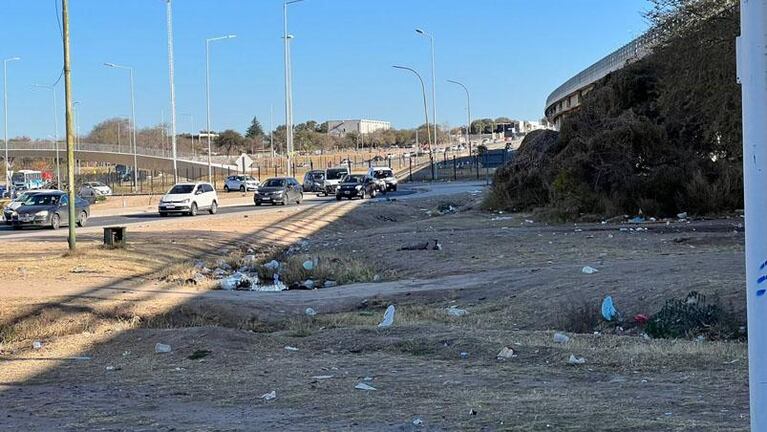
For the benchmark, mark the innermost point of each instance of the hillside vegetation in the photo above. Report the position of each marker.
(662, 135)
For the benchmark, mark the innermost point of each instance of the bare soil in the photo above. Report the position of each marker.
(514, 276)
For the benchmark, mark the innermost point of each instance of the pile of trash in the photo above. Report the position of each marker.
(249, 276)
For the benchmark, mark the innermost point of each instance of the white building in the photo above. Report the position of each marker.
(343, 127)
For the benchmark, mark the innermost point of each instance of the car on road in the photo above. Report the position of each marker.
(333, 177)
(93, 189)
(386, 175)
(47, 209)
(189, 199)
(358, 186)
(313, 181)
(279, 190)
(240, 183)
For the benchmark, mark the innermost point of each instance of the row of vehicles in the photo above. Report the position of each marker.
(45, 208)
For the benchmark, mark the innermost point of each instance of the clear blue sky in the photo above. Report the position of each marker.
(511, 54)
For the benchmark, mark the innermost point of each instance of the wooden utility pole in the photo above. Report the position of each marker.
(70, 129)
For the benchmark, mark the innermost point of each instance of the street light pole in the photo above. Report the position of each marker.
(5, 111)
(468, 110)
(169, 18)
(133, 120)
(433, 82)
(207, 94)
(55, 129)
(288, 87)
(426, 114)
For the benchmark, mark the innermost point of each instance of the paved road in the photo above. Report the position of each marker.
(410, 191)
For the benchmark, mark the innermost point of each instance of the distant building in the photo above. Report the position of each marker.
(343, 127)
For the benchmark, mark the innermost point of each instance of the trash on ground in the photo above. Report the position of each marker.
(505, 354)
(109, 368)
(310, 312)
(239, 281)
(290, 348)
(269, 396)
(609, 313)
(641, 319)
(162, 348)
(388, 318)
(309, 284)
(322, 377)
(418, 422)
(329, 284)
(428, 245)
(573, 360)
(589, 270)
(308, 265)
(272, 265)
(455, 311)
(682, 215)
(464, 355)
(37, 345)
(363, 386)
(561, 338)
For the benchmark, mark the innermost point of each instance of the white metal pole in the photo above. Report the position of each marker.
(752, 72)
(207, 106)
(434, 90)
(56, 137)
(133, 129)
(288, 126)
(271, 128)
(169, 17)
(5, 114)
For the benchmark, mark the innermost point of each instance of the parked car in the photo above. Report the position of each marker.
(279, 190)
(240, 183)
(313, 181)
(49, 209)
(333, 177)
(358, 185)
(189, 198)
(93, 189)
(386, 175)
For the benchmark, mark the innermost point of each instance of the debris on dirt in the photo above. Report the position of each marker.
(290, 348)
(376, 277)
(455, 311)
(641, 319)
(418, 422)
(682, 216)
(37, 345)
(269, 396)
(109, 368)
(589, 270)
(249, 260)
(81, 269)
(238, 281)
(310, 312)
(309, 284)
(197, 279)
(506, 353)
(329, 284)
(502, 218)
(388, 318)
(561, 338)
(200, 354)
(322, 377)
(363, 386)
(273, 265)
(573, 360)
(219, 273)
(161, 348)
(609, 312)
(464, 355)
(308, 265)
(472, 412)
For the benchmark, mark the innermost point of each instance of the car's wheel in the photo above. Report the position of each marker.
(338, 197)
(258, 203)
(242, 188)
(300, 198)
(373, 193)
(193, 210)
(284, 201)
(82, 219)
(55, 221)
(226, 188)
(394, 189)
(213, 208)
(163, 214)
(16, 227)
(364, 194)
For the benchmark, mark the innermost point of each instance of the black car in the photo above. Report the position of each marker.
(49, 209)
(279, 190)
(358, 185)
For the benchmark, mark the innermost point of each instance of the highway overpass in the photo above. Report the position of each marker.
(569, 95)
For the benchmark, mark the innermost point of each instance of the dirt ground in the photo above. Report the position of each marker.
(99, 315)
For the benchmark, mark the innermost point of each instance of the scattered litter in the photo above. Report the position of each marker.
(637, 220)
(589, 270)
(330, 284)
(376, 277)
(641, 319)
(199, 354)
(388, 318)
(472, 412)
(37, 345)
(109, 368)
(429, 245)
(368, 379)
(272, 265)
(308, 265)
(363, 386)
(269, 396)
(682, 215)
(464, 355)
(290, 348)
(561, 338)
(238, 281)
(310, 312)
(505, 354)
(161, 348)
(609, 312)
(197, 279)
(81, 269)
(249, 259)
(418, 422)
(437, 245)
(309, 284)
(455, 311)
(573, 360)
(529, 221)
(322, 377)
(502, 218)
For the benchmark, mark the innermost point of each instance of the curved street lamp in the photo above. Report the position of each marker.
(426, 113)
(468, 110)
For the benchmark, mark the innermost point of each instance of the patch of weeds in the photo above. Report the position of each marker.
(579, 317)
(302, 327)
(200, 354)
(341, 269)
(692, 316)
(416, 347)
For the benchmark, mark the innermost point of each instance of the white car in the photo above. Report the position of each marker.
(189, 198)
(95, 189)
(240, 183)
(385, 175)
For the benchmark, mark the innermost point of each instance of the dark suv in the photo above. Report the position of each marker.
(358, 185)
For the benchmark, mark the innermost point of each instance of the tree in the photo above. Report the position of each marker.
(255, 129)
(230, 140)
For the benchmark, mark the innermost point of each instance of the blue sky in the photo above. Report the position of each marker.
(511, 54)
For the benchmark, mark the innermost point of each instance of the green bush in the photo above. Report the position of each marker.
(690, 317)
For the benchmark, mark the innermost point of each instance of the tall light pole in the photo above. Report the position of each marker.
(207, 93)
(752, 68)
(5, 113)
(169, 18)
(191, 119)
(433, 82)
(425, 112)
(75, 114)
(468, 110)
(288, 87)
(133, 119)
(55, 129)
